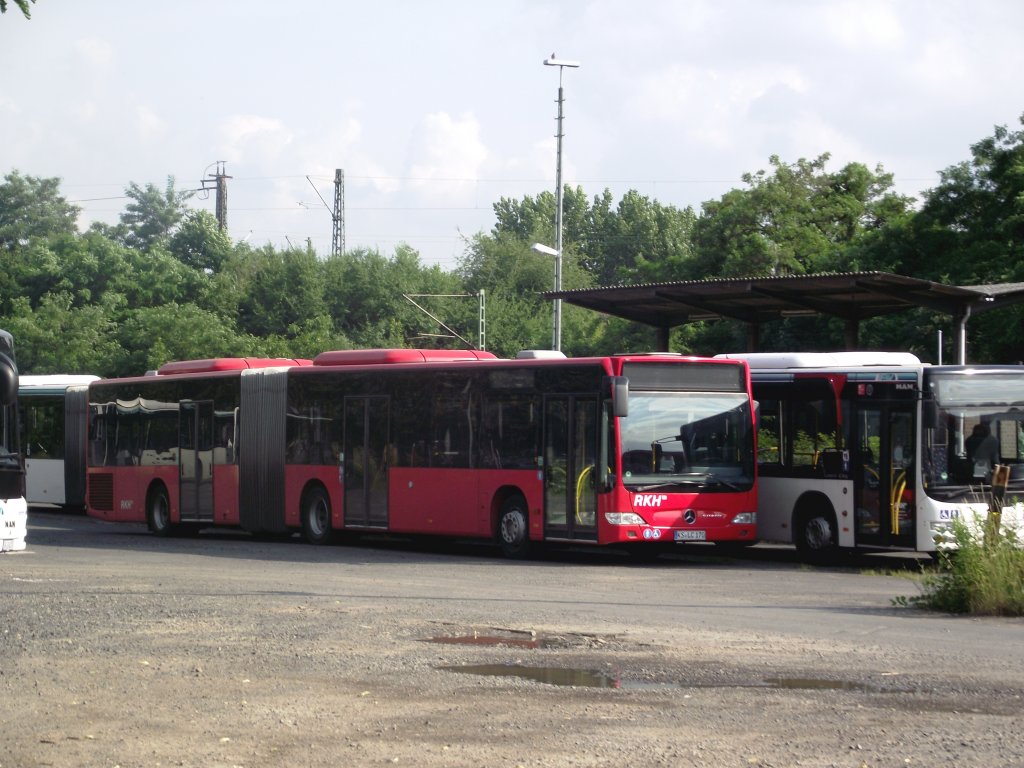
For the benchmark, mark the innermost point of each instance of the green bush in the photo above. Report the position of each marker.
(983, 576)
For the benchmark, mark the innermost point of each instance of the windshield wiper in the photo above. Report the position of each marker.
(668, 484)
(699, 481)
(712, 480)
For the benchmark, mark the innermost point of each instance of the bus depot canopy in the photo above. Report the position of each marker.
(852, 296)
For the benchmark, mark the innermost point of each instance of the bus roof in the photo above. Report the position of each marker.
(822, 359)
(55, 381)
(211, 365)
(382, 356)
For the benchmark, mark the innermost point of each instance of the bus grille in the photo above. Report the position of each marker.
(101, 493)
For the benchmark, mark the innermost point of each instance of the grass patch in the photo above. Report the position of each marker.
(984, 576)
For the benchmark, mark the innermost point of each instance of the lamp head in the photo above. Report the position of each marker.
(553, 62)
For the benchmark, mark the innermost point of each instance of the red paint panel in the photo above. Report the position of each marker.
(226, 510)
(442, 501)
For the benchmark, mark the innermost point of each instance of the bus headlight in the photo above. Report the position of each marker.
(624, 518)
(745, 518)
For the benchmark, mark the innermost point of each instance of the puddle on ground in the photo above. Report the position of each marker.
(817, 684)
(523, 639)
(576, 678)
(516, 642)
(582, 678)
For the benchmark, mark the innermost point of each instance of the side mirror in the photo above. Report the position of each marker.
(620, 395)
(8, 380)
(929, 414)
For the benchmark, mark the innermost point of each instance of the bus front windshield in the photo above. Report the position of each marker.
(977, 422)
(691, 440)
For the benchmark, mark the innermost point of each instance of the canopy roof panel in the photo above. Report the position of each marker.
(853, 296)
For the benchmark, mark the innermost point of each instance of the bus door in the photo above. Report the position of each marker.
(365, 461)
(195, 457)
(883, 450)
(570, 447)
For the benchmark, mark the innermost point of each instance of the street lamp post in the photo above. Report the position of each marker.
(561, 64)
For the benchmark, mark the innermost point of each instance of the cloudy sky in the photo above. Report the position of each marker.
(436, 110)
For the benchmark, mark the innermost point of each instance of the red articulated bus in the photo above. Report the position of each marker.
(635, 450)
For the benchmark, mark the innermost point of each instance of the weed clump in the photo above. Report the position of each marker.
(984, 575)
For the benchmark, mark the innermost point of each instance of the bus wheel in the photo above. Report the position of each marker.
(815, 536)
(514, 528)
(316, 516)
(158, 512)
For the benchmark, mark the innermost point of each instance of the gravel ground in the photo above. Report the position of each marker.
(130, 655)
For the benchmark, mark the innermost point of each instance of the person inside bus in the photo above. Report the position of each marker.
(982, 450)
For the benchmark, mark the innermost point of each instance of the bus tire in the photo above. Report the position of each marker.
(158, 512)
(513, 529)
(815, 535)
(316, 516)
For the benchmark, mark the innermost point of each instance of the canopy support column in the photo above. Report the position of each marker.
(852, 333)
(664, 332)
(753, 334)
(961, 336)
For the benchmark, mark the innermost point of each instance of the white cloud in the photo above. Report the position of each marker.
(676, 99)
(252, 138)
(860, 24)
(9, 107)
(710, 106)
(95, 52)
(943, 65)
(339, 140)
(85, 111)
(379, 178)
(148, 124)
(447, 148)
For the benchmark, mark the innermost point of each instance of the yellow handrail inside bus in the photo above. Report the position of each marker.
(579, 490)
(899, 485)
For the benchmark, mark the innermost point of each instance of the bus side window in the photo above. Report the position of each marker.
(509, 433)
(813, 423)
(769, 433)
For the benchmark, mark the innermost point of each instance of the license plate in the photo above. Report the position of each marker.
(691, 535)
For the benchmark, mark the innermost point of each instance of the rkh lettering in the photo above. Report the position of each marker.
(650, 499)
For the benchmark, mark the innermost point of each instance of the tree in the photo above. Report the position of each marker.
(305, 340)
(637, 240)
(970, 231)
(797, 219)
(973, 221)
(58, 337)
(32, 207)
(200, 243)
(151, 216)
(22, 5)
(641, 241)
(155, 335)
(279, 289)
(155, 277)
(513, 278)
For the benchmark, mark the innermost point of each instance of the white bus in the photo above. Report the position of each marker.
(13, 510)
(878, 450)
(53, 417)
